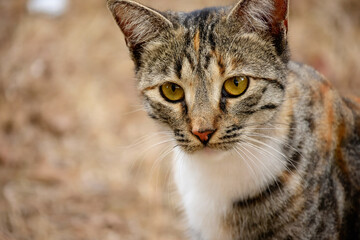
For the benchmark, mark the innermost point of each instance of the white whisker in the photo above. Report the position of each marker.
(249, 166)
(274, 139)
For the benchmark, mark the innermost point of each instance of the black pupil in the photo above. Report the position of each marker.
(236, 82)
(173, 87)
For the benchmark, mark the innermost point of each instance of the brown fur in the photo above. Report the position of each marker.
(317, 193)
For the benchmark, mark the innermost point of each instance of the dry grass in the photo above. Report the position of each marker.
(69, 108)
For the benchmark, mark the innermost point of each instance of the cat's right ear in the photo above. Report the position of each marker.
(139, 23)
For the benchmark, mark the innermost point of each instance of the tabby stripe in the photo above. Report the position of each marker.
(234, 128)
(136, 56)
(277, 83)
(293, 161)
(265, 107)
(291, 203)
(252, 100)
(295, 155)
(230, 136)
(190, 60)
(211, 37)
(178, 68)
(221, 64)
(222, 104)
(207, 61)
(269, 106)
(310, 122)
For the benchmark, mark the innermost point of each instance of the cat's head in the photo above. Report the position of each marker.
(212, 75)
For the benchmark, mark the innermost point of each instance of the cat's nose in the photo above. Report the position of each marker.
(203, 136)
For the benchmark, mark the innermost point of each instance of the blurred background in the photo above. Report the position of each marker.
(79, 159)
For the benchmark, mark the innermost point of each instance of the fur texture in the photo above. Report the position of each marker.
(283, 159)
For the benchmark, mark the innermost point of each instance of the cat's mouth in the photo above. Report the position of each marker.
(209, 151)
(209, 148)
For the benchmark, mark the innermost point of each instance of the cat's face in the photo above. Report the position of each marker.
(214, 76)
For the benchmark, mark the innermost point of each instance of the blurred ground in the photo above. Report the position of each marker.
(74, 162)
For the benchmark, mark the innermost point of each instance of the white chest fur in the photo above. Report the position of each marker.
(209, 182)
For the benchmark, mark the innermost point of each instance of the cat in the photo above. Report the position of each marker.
(265, 147)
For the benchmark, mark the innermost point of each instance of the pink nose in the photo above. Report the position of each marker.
(204, 136)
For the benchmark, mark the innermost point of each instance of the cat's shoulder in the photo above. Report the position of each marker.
(300, 72)
(304, 72)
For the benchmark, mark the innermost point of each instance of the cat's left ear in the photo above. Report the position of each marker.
(262, 15)
(268, 17)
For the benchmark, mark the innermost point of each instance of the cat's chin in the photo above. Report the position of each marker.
(209, 151)
(210, 154)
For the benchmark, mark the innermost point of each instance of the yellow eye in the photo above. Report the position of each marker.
(236, 86)
(172, 92)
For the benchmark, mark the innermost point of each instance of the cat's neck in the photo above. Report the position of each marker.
(210, 182)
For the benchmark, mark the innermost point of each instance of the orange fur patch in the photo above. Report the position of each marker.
(328, 116)
(220, 61)
(197, 41)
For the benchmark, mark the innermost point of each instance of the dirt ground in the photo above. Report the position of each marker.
(79, 159)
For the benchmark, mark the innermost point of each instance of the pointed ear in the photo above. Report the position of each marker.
(139, 24)
(262, 15)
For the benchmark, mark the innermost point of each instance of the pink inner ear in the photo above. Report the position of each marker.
(280, 12)
(279, 15)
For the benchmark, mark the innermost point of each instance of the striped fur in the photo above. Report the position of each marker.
(284, 159)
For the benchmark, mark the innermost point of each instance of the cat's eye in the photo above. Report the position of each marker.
(172, 92)
(236, 86)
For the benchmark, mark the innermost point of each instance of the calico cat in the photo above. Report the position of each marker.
(265, 147)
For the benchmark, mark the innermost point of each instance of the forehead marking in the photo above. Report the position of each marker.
(220, 62)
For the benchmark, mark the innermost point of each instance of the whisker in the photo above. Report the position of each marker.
(266, 167)
(267, 145)
(274, 139)
(143, 139)
(248, 165)
(142, 159)
(272, 154)
(257, 159)
(252, 160)
(157, 163)
(134, 111)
